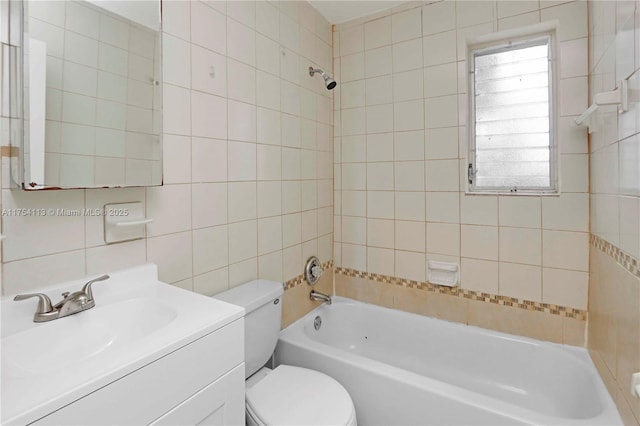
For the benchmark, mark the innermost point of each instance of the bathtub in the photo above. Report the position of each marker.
(408, 369)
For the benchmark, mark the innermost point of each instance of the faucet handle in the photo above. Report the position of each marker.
(44, 303)
(87, 287)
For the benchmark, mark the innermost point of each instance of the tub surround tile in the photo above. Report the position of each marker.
(538, 325)
(614, 322)
(364, 290)
(507, 301)
(531, 319)
(493, 231)
(625, 260)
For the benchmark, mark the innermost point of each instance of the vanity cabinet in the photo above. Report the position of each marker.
(199, 383)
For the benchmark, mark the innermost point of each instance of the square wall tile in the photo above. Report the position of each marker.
(269, 235)
(243, 241)
(479, 242)
(565, 288)
(380, 233)
(354, 257)
(479, 275)
(242, 198)
(381, 261)
(352, 40)
(210, 249)
(208, 160)
(208, 116)
(521, 245)
(479, 210)
(409, 145)
(406, 25)
(407, 55)
(408, 115)
(525, 212)
(209, 204)
(568, 212)
(567, 250)
(380, 204)
(377, 33)
(438, 17)
(443, 207)
(410, 265)
(162, 251)
(443, 238)
(409, 175)
(212, 283)
(243, 272)
(410, 206)
(170, 208)
(410, 236)
(208, 28)
(521, 281)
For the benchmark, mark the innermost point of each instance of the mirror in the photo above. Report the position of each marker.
(92, 93)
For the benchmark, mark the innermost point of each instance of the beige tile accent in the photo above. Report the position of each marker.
(560, 324)
(625, 260)
(528, 305)
(530, 323)
(360, 288)
(614, 323)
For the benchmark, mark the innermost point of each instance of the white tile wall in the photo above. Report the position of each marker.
(614, 35)
(400, 130)
(247, 153)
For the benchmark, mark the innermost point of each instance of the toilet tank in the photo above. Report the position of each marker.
(262, 302)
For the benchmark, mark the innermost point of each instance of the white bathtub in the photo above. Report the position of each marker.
(407, 369)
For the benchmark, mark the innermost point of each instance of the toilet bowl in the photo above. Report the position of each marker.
(291, 395)
(286, 395)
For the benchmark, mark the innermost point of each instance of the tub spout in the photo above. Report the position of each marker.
(320, 297)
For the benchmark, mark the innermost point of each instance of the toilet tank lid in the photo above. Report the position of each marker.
(253, 294)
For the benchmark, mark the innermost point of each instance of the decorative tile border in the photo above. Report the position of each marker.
(468, 294)
(300, 278)
(623, 259)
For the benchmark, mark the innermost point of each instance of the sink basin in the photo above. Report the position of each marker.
(74, 339)
(136, 320)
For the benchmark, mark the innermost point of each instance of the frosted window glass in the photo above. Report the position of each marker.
(512, 117)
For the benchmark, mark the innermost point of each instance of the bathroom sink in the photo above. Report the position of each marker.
(74, 339)
(136, 319)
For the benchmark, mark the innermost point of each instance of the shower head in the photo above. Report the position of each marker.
(329, 82)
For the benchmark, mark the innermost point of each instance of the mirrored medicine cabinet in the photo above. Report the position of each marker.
(91, 94)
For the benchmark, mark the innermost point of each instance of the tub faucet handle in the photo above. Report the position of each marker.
(313, 270)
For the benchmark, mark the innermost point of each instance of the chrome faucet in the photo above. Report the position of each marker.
(72, 303)
(320, 297)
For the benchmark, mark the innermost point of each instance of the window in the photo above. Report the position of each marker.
(512, 144)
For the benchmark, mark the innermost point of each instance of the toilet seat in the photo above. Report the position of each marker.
(299, 396)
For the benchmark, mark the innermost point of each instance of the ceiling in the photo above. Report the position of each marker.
(338, 12)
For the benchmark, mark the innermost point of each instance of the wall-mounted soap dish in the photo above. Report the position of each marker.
(124, 222)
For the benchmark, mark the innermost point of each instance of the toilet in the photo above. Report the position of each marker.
(286, 395)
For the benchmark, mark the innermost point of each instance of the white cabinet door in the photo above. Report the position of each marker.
(219, 404)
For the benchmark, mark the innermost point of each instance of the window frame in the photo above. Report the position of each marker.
(496, 42)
